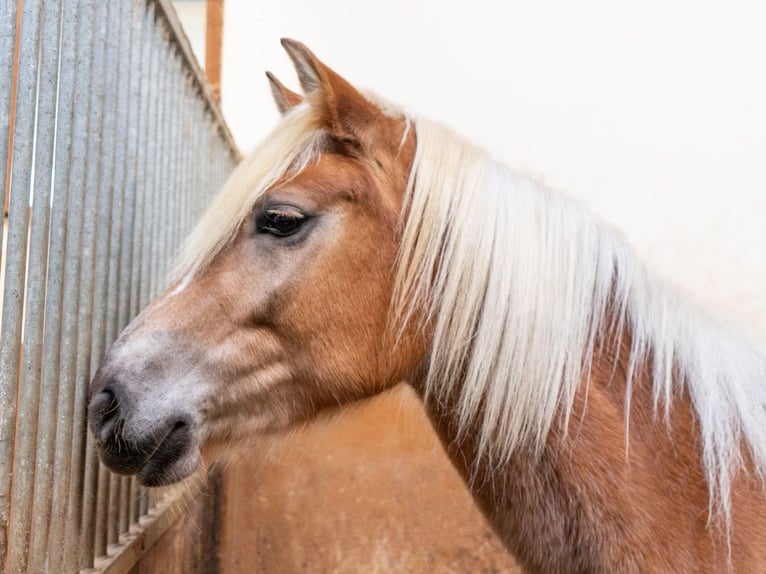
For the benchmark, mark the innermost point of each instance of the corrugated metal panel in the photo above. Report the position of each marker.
(113, 147)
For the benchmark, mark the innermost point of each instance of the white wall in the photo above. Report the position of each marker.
(654, 112)
(193, 17)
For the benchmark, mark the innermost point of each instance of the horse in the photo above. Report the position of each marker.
(601, 421)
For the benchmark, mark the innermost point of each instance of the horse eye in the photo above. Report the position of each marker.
(280, 222)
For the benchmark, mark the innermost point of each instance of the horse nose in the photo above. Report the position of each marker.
(104, 412)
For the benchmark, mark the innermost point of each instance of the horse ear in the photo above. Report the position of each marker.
(284, 98)
(307, 65)
(346, 112)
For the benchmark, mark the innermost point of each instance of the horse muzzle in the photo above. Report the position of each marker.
(142, 424)
(157, 458)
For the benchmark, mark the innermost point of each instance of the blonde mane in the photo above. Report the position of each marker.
(521, 284)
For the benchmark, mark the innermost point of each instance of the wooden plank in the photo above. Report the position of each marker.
(213, 45)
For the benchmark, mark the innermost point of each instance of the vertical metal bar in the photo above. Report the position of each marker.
(7, 57)
(62, 245)
(103, 247)
(162, 163)
(213, 162)
(113, 509)
(204, 154)
(143, 501)
(221, 168)
(151, 190)
(34, 312)
(124, 516)
(141, 192)
(150, 215)
(199, 187)
(179, 157)
(64, 549)
(122, 227)
(50, 393)
(156, 166)
(175, 171)
(184, 145)
(218, 166)
(13, 298)
(208, 153)
(165, 154)
(131, 131)
(175, 145)
(205, 175)
(142, 50)
(172, 146)
(188, 156)
(216, 160)
(83, 446)
(211, 136)
(164, 191)
(216, 163)
(45, 506)
(188, 160)
(206, 167)
(157, 215)
(191, 170)
(135, 501)
(106, 204)
(226, 167)
(193, 189)
(103, 482)
(122, 29)
(193, 166)
(180, 160)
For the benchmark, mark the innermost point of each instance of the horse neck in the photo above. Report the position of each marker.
(589, 500)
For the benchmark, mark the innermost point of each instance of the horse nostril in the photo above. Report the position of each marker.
(104, 413)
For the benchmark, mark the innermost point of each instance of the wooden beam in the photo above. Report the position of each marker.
(213, 45)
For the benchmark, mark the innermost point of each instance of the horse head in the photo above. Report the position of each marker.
(280, 306)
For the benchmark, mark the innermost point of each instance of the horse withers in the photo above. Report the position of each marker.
(601, 422)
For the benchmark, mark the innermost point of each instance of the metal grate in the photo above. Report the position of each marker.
(110, 146)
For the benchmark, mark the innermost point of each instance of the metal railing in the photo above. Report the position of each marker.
(110, 146)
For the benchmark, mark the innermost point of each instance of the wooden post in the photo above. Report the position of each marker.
(213, 43)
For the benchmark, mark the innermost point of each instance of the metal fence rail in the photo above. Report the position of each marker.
(110, 146)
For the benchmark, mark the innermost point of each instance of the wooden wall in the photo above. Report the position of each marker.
(369, 491)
